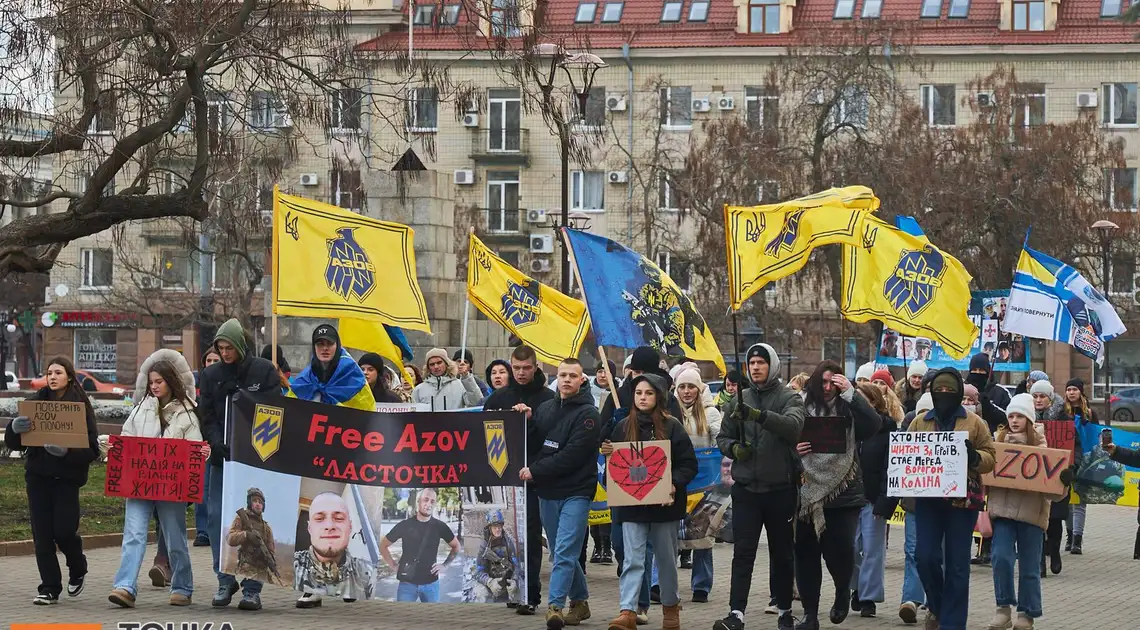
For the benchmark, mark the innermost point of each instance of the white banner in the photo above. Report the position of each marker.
(929, 464)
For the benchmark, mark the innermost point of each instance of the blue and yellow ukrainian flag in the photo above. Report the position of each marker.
(766, 243)
(329, 262)
(903, 280)
(372, 336)
(347, 386)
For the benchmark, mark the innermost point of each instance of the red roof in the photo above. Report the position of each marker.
(1078, 22)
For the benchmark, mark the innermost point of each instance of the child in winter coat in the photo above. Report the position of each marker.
(1019, 520)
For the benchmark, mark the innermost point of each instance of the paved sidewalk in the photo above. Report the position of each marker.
(1095, 591)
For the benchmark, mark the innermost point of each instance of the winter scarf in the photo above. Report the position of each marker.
(826, 475)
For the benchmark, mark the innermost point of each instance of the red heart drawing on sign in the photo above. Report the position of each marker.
(637, 472)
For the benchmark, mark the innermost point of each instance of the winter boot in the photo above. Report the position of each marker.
(1069, 541)
(627, 620)
(578, 612)
(671, 617)
(1055, 557)
(686, 559)
(607, 552)
(1001, 620)
(1024, 622)
(1078, 543)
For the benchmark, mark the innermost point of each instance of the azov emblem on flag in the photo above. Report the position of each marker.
(266, 433)
(915, 281)
(496, 445)
(787, 236)
(349, 273)
(520, 303)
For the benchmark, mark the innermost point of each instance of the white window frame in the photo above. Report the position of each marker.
(1022, 100)
(449, 15)
(582, 123)
(1110, 189)
(840, 113)
(340, 108)
(162, 277)
(502, 182)
(413, 111)
(337, 191)
(1108, 94)
(1109, 283)
(94, 129)
(667, 93)
(267, 111)
(929, 112)
(87, 268)
(761, 198)
(665, 190)
(578, 189)
(765, 100)
(665, 263)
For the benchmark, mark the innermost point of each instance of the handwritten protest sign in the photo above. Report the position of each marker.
(1032, 468)
(55, 422)
(157, 469)
(927, 464)
(1060, 434)
(639, 473)
(827, 434)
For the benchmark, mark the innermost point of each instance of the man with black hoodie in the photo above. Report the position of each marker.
(563, 441)
(644, 360)
(759, 432)
(238, 371)
(527, 387)
(993, 398)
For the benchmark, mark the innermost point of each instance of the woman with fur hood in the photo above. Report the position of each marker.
(442, 389)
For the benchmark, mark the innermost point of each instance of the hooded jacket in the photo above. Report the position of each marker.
(181, 367)
(625, 400)
(684, 461)
(533, 394)
(179, 415)
(992, 401)
(774, 464)
(447, 392)
(562, 440)
(72, 467)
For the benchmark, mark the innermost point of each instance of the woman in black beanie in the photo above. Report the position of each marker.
(373, 367)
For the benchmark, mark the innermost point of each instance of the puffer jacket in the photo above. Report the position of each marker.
(448, 392)
(1021, 505)
(712, 418)
(181, 420)
(185, 374)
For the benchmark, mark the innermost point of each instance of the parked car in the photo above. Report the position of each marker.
(1125, 405)
(89, 383)
(12, 383)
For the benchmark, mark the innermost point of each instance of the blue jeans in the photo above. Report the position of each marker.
(702, 578)
(214, 503)
(1014, 540)
(636, 538)
(945, 545)
(912, 584)
(201, 511)
(619, 551)
(870, 556)
(408, 592)
(566, 522)
(136, 522)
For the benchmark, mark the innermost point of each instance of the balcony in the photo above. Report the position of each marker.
(505, 225)
(501, 147)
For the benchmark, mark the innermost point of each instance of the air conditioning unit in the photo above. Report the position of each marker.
(615, 103)
(148, 282)
(984, 99)
(540, 265)
(701, 105)
(542, 243)
(618, 177)
(726, 103)
(815, 97)
(464, 177)
(536, 216)
(309, 179)
(267, 219)
(1086, 100)
(470, 120)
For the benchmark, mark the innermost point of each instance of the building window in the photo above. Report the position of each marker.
(505, 18)
(423, 109)
(504, 109)
(699, 11)
(844, 9)
(1029, 16)
(175, 271)
(1028, 108)
(612, 11)
(676, 106)
(764, 16)
(345, 109)
(959, 8)
(104, 120)
(424, 13)
(595, 108)
(346, 189)
(98, 268)
(931, 8)
(503, 201)
(1120, 188)
(586, 12)
(587, 190)
(1111, 8)
(222, 272)
(1123, 273)
(671, 12)
(96, 353)
(678, 269)
(762, 107)
(266, 111)
(872, 9)
(450, 15)
(852, 108)
(1119, 108)
(768, 192)
(938, 105)
(666, 196)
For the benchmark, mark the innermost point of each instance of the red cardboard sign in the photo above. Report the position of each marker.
(1060, 434)
(158, 469)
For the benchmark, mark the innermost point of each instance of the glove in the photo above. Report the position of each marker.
(973, 458)
(20, 424)
(58, 451)
(740, 452)
(1067, 476)
(221, 450)
(620, 414)
(748, 414)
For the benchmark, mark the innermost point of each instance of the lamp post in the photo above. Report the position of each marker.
(1106, 230)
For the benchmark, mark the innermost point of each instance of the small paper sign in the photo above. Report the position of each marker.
(1032, 468)
(57, 422)
(401, 407)
(639, 473)
(927, 464)
(158, 469)
(827, 434)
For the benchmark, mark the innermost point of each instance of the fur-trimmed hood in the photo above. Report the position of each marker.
(174, 358)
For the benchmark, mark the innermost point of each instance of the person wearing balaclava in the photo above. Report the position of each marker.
(759, 432)
(913, 595)
(992, 398)
(910, 388)
(332, 377)
(946, 526)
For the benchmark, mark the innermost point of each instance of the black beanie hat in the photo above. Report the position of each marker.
(758, 350)
(1078, 383)
(980, 361)
(282, 364)
(645, 359)
(373, 359)
(735, 376)
(467, 356)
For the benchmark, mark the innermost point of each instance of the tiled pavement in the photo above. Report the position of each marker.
(1096, 591)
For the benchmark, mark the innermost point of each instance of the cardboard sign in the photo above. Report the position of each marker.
(927, 464)
(1023, 467)
(55, 422)
(640, 473)
(1060, 434)
(827, 434)
(158, 469)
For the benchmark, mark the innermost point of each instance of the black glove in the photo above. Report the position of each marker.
(221, 450)
(973, 458)
(1067, 476)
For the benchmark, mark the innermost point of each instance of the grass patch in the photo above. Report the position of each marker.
(98, 514)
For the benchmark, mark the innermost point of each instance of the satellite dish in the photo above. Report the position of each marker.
(61, 290)
(48, 318)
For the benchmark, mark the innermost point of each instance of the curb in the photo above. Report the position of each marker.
(91, 541)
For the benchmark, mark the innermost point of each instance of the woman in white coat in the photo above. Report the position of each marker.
(702, 423)
(166, 410)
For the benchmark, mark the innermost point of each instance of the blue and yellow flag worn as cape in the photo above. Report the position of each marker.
(633, 303)
(346, 387)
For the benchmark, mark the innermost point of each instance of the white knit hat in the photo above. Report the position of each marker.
(689, 375)
(865, 371)
(1022, 404)
(1042, 387)
(925, 403)
(917, 368)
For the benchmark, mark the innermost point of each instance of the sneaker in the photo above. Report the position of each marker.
(786, 621)
(250, 601)
(908, 612)
(1001, 620)
(75, 587)
(159, 576)
(201, 540)
(809, 622)
(178, 599)
(867, 609)
(525, 609)
(931, 622)
(554, 618)
(642, 616)
(687, 559)
(731, 622)
(122, 598)
(577, 613)
(607, 556)
(1024, 622)
(309, 600)
(224, 596)
(773, 608)
(700, 597)
(1069, 541)
(856, 604)
(45, 599)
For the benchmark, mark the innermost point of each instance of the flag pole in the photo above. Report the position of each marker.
(276, 258)
(735, 343)
(466, 302)
(582, 285)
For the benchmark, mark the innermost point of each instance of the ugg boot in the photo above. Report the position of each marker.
(1024, 622)
(1001, 620)
(627, 620)
(671, 617)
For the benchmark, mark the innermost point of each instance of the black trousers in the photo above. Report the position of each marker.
(533, 549)
(836, 545)
(54, 506)
(1053, 536)
(752, 513)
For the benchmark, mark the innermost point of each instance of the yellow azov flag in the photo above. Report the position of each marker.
(543, 318)
(770, 242)
(329, 262)
(910, 285)
(371, 336)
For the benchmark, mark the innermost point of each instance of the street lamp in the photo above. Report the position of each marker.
(1106, 230)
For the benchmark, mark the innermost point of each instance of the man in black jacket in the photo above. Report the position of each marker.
(644, 360)
(563, 441)
(993, 398)
(527, 387)
(238, 371)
